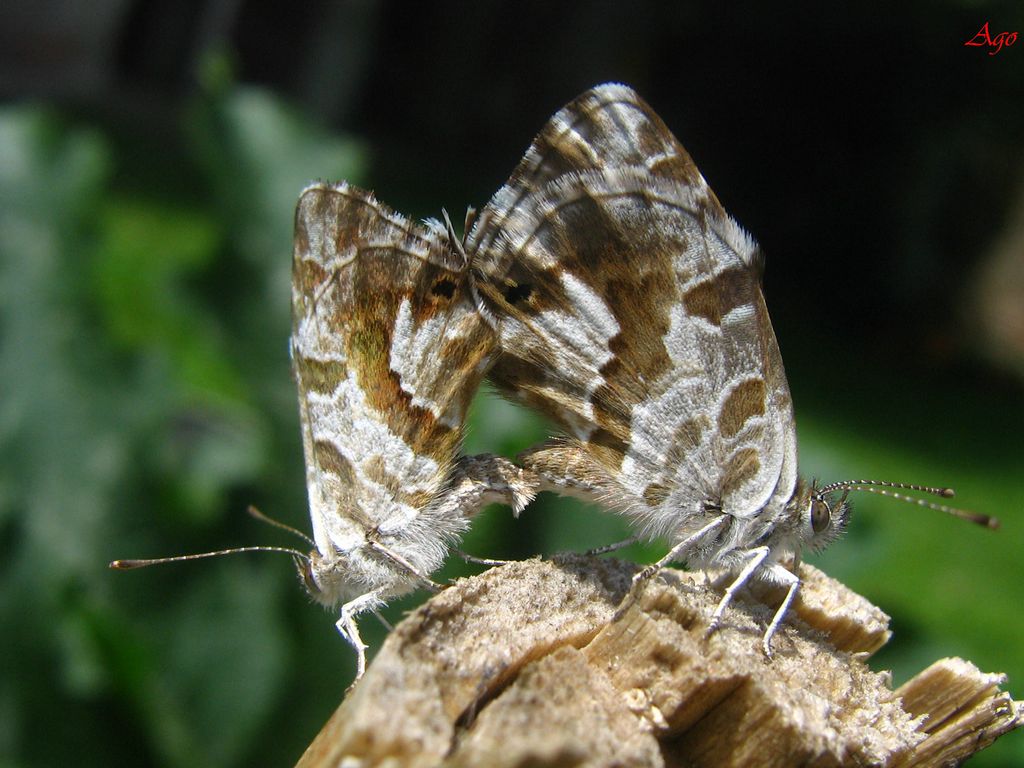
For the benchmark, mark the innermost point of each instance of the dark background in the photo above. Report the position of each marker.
(150, 157)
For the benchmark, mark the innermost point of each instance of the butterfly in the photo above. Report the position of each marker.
(388, 350)
(629, 310)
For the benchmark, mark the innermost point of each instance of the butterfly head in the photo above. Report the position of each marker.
(332, 580)
(817, 518)
(824, 516)
(305, 568)
(338, 576)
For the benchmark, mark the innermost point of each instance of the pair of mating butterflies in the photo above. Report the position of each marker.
(604, 286)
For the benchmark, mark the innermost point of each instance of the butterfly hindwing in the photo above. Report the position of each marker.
(373, 295)
(388, 349)
(630, 312)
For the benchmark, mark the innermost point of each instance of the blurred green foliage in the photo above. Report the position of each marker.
(143, 322)
(147, 400)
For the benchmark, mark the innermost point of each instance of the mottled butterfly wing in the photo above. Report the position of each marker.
(630, 311)
(388, 349)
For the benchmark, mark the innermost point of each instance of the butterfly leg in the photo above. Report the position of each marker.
(386, 624)
(679, 550)
(613, 547)
(757, 557)
(346, 625)
(779, 575)
(405, 565)
(479, 560)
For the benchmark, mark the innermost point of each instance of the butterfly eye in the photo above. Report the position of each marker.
(821, 515)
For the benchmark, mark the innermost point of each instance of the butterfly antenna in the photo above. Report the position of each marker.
(884, 488)
(263, 518)
(127, 565)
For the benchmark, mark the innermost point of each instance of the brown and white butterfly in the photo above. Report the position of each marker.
(388, 350)
(629, 310)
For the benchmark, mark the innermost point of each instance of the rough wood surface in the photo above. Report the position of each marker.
(544, 663)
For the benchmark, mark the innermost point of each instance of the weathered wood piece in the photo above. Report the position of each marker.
(543, 663)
